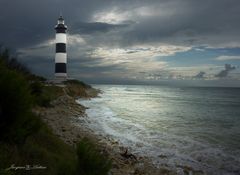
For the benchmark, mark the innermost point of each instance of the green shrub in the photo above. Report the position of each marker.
(41, 148)
(25, 139)
(77, 82)
(5, 172)
(43, 95)
(49, 93)
(36, 88)
(16, 118)
(90, 161)
(37, 91)
(12, 63)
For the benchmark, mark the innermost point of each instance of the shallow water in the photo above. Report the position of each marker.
(175, 127)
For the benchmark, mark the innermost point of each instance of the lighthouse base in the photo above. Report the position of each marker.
(59, 79)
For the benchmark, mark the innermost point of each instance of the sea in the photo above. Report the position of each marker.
(176, 127)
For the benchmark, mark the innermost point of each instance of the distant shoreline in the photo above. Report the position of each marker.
(167, 85)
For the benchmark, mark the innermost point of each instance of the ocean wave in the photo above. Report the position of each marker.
(165, 146)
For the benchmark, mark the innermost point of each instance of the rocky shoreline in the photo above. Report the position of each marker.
(62, 118)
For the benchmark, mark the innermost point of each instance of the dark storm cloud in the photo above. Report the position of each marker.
(29, 22)
(89, 28)
(26, 24)
(191, 22)
(225, 72)
(38, 65)
(200, 75)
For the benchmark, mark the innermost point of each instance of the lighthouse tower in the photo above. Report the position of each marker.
(61, 54)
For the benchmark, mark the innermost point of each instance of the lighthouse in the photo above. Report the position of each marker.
(61, 54)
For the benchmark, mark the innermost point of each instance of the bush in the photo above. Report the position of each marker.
(12, 63)
(90, 161)
(41, 148)
(16, 118)
(77, 82)
(40, 98)
(25, 139)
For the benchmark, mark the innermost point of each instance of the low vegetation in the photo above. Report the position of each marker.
(25, 139)
(90, 160)
(77, 82)
(76, 88)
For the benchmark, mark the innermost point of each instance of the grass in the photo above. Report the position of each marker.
(42, 148)
(77, 82)
(26, 140)
(90, 160)
(45, 149)
(46, 94)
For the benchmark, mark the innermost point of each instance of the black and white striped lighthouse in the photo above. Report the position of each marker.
(61, 54)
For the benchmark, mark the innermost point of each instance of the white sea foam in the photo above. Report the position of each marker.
(133, 125)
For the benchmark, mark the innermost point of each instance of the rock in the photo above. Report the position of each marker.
(62, 118)
(162, 156)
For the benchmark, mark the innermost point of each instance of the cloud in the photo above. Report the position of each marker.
(227, 57)
(44, 49)
(172, 22)
(224, 73)
(140, 51)
(114, 16)
(75, 40)
(93, 27)
(136, 58)
(200, 75)
(114, 39)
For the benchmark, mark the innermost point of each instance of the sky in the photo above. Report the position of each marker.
(184, 42)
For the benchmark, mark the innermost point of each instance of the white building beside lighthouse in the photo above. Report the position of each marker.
(61, 54)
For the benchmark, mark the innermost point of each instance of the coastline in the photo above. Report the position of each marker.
(62, 118)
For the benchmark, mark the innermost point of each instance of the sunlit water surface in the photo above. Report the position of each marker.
(175, 127)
